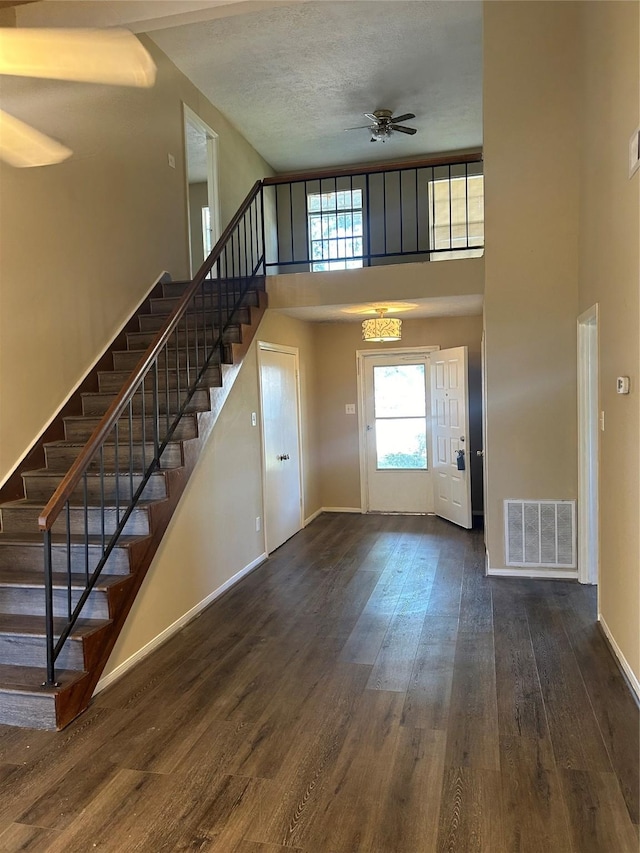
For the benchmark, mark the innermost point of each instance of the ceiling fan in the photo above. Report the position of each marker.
(114, 57)
(384, 123)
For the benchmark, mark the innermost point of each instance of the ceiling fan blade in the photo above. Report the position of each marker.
(403, 117)
(360, 127)
(23, 146)
(409, 130)
(371, 117)
(115, 57)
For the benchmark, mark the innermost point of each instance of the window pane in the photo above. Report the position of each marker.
(401, 443)
(399, 390)
(335, 218)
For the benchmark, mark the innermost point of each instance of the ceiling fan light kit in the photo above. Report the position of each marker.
(382, 329)
(384, 124)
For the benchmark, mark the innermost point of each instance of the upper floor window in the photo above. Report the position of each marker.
(335, 230)
(456, 205)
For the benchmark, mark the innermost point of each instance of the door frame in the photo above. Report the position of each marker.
(361, 357)
(588, 447)
(266, 346)
(213, 184)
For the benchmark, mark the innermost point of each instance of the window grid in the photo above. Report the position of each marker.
(335, 230)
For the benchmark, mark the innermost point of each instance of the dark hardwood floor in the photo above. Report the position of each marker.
(367, 690)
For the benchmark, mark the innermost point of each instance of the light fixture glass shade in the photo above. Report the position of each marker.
(382, 329)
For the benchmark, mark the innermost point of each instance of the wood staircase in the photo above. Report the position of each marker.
(24, 698)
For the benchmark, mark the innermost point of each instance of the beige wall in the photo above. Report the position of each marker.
(212, 534)
(531, 145)
(609, 276)
(82, 242)
(337, 344)
(198, 198)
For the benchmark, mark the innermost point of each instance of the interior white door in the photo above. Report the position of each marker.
(450, 431)
(396, 411)
(281, 444)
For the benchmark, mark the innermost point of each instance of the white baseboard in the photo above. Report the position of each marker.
(172, 629)
(342, 509)
(312, 517)
(624, 665)
(162, 278)
(534, 574)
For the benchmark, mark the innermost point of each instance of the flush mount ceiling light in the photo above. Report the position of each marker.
(382, 328)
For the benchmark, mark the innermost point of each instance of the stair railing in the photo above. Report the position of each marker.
(91, 509)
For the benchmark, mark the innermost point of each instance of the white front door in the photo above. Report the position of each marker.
(395, 405)
(280, 443)
(450, 430)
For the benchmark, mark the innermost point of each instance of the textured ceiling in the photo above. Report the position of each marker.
(453, 306)
(291, 78)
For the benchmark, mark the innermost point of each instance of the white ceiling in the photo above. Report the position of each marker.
(293, 77)
(417, 309)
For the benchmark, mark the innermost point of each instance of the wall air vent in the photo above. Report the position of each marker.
(540, 533)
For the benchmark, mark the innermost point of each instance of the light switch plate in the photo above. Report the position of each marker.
(172, 160)
(350, 409)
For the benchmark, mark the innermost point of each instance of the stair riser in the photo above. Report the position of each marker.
(92, 404)
(31, 602)
(31, 651)
(25, 520)
(80, 429)
(32, 557)
(178, 288)
(61, 458)
(165, 305)
(128, 360)
(27, 710)
(204, 338)
(113, 381)
(154, 322)
(122, 486)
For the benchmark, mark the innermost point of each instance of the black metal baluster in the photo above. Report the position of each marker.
(68, 538)
(433, 207)
(102, 500)
(116, 465)
(293, 257)
(366, 182)
(143, 423)
(384, 211)
(417, 192)
(85, 500)
(131, 460)
(450, 212)
(262, 231)
(156, 413)
(167, 398)
(466, 201)
(48, 610)
(401, 213)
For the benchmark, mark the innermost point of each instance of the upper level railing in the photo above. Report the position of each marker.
(392, 213)
(95, 502)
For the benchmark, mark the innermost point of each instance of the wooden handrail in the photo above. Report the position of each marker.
(369, 169)
(57, 501)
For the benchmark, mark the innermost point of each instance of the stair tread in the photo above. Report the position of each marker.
(35, 579)
(69, 442)
(48, 472)
(27, 679)
(35, 539)
(26, 503)
(34, 626)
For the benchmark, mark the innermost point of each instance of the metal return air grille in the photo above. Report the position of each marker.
(540, 533)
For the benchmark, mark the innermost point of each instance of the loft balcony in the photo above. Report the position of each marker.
(331, 237)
